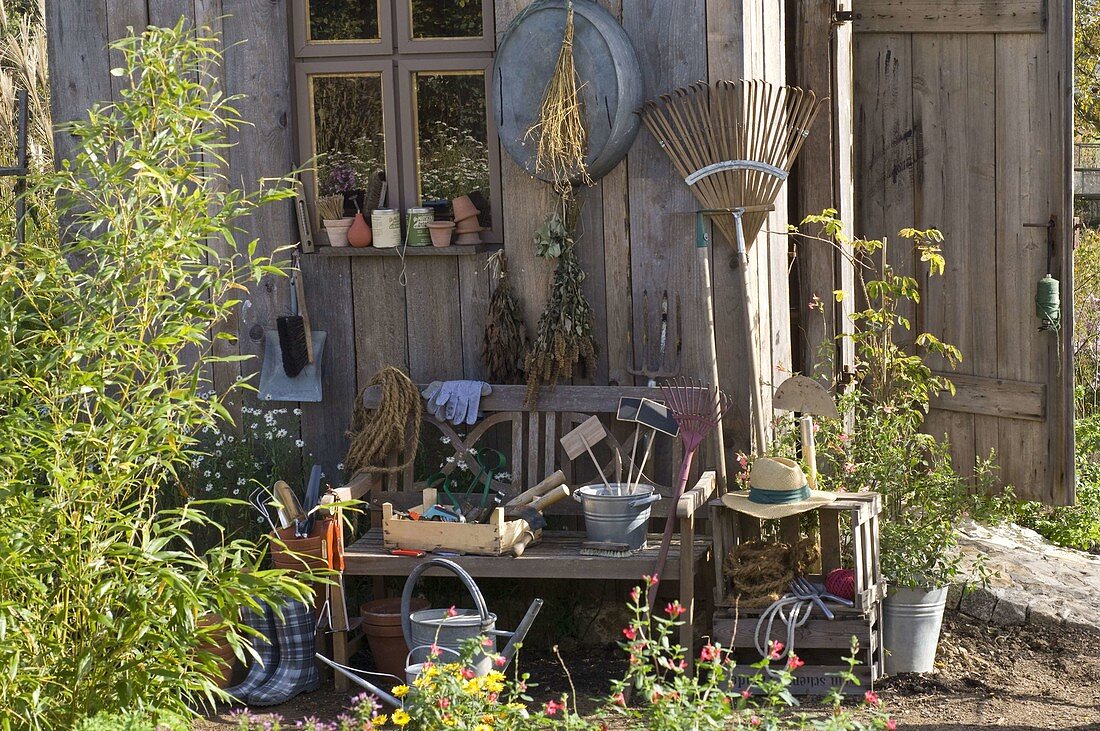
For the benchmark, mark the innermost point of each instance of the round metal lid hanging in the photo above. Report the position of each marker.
(607, 66)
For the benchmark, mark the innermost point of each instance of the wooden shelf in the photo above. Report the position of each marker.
(452, 250)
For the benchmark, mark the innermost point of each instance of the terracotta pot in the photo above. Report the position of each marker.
(221, 649)
(469, 239)
(337, 231)
(301, 554)
(464, 208)
(382, 626)
(360, 235)
(468, 226)
(441, 232)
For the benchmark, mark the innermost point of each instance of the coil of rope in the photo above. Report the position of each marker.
(391, 428)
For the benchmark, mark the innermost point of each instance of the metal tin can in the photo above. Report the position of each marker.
(417, 226)
(385, 223)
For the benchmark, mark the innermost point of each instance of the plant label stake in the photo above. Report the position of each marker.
(659, 419)
(582, 439)
(808, 398)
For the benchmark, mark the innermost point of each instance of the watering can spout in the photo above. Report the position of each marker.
(522, 629)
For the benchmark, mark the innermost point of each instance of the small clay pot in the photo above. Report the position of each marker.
(468, 226)
(382, 626)
(469, 239)
(441, 233)
(464, 208)
(337, 230)
(360, 235)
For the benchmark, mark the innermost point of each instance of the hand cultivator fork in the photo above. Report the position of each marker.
(698, 408)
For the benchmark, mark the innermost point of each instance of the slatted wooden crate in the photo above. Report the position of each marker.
(821, 643)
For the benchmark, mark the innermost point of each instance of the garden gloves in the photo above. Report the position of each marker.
(455, 401)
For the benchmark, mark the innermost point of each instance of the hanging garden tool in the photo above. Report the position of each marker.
(808, 398)
(697, 407)
(734, 142)
(291, 369)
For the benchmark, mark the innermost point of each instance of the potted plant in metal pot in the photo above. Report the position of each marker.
(879, 446)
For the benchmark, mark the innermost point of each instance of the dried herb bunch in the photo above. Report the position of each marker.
(559, 127)
(505, 334)
(564, 336)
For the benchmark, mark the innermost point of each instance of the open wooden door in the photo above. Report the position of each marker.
(963, 123)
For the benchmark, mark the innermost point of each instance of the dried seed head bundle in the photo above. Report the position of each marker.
(505, 348)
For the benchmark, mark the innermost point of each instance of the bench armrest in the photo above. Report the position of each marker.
(697, 497)
(356, 487)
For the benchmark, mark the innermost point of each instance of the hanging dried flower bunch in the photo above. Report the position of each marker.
(505, 334)
(559, 127)
(564, 336)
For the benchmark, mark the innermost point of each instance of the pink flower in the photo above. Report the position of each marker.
(746, 694)
(434, 650)
(849, 467)
(794, 662)
(843, 437)
(635, 594)
(777, 651)
(655, 697)
(467, 673)
(444, 702)
(618, 699)
(552, 707)
(630, 633)
(755, 720)
(500, 661)
(871, 697)
(674, 609)
(452, 612)
(891, 724)
(743, 460)
(708, 653)
(652, 580)
(487, 642)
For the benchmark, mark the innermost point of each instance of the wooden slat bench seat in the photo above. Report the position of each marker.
(529, 437)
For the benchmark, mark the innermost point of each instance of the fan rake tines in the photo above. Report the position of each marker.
(749, 121)
(697, 407)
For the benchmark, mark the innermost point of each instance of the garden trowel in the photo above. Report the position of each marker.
(809, 398)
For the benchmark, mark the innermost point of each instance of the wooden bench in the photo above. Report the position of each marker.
(530, 438)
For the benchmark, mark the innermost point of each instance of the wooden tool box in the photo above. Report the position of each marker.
(494, 538)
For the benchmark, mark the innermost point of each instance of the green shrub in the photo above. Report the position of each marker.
(101, 592)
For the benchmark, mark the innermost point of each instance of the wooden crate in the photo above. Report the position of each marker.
(821, 643)
(494, 538)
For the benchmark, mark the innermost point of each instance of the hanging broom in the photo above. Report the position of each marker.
(734, 142)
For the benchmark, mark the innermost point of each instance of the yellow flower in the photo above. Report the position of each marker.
(380, 720)
(483, 727)
(400, 718)
(400, 691)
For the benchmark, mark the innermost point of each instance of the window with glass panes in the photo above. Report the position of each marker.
(399, 86)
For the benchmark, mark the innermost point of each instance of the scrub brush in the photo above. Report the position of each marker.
(295, 337)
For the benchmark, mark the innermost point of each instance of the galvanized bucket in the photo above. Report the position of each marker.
(438, 627)
(911, 629)
(617, 515)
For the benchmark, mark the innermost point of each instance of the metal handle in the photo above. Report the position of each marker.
(645, 500)
(414, 576)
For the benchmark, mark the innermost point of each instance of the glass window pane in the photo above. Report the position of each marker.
(343, 20)
(447, 18)
(348, 130)
(452, 154)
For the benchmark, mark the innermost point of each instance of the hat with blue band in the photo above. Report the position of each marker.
(777, 488)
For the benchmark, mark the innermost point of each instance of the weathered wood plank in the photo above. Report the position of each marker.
(434, 319)
(618, 292)
(582, 399)
(473, 278)
(381, 335)
(844, 178)
(169, 12)
(950, 16)
(77, 49)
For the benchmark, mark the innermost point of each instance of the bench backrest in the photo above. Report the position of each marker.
(529, 440)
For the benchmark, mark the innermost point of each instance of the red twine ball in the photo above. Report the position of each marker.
(842, 583)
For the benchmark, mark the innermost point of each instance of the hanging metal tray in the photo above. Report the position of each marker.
(612, 86)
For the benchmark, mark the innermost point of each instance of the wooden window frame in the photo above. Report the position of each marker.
(395, 58)
(305, 48)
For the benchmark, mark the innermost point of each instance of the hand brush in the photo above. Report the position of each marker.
(295, 337)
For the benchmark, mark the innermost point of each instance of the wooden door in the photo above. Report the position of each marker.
(963, 119)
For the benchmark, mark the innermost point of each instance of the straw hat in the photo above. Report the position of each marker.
(778, 488)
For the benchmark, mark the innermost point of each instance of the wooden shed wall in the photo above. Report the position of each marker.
(963, 124)
(636, 234)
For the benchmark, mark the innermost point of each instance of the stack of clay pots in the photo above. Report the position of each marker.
(467, 225)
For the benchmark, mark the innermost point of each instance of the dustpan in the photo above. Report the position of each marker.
(275, 385)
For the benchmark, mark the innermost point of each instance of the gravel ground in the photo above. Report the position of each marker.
(1017, 678)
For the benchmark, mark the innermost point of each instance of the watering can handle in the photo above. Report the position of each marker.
(414, 576)
(522, 629)
(646, 500)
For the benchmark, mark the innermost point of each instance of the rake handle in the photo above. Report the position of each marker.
(670, 523)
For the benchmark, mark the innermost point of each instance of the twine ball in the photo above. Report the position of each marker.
(842, 583)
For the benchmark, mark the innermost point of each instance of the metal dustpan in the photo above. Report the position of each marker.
(276, 385)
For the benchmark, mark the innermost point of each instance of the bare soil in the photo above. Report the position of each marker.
(1012, 678)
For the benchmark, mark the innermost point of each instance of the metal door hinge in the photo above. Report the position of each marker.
(845, 16)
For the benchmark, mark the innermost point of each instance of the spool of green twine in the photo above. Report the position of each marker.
(1048, 303)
